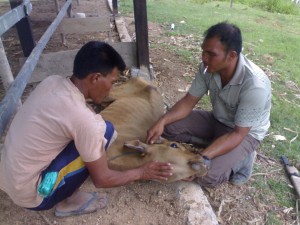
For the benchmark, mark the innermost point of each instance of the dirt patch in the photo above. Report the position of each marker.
(131, 204)
(147, 203)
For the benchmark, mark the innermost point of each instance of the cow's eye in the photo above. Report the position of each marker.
(173, 145)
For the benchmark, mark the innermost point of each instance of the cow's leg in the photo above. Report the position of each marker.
(197, 128)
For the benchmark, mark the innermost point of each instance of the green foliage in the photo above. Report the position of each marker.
(272, 219)
(271, 191)
(277, 6)
(279, 188)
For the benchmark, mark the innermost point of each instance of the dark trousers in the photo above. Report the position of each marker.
(71, 170)
(201, 127)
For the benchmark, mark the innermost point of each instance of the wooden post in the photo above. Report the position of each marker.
(57, 8)
(69, 11)
(141, 30)
(115, 7)
(24, 31)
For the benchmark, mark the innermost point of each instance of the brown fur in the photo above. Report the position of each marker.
(135, 106)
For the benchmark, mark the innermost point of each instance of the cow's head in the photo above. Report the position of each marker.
(185, 162)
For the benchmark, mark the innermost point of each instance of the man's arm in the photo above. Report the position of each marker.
(179, 111)
(103, 177)
(226, 142)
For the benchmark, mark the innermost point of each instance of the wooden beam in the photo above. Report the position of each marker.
(84, 25)
(141, 30)
(24, 31)
(115, 10)
(61, 63)
(122, 30)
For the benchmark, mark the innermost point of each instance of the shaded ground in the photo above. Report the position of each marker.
(134, 204)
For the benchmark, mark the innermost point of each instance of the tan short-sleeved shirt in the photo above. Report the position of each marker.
(54, 114)
(245, 101)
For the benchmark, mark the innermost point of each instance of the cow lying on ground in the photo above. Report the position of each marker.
(135, 106)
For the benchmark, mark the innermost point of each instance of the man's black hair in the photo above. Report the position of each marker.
(229, 34)
(97, 57)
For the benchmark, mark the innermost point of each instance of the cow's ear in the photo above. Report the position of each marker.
(137, 145)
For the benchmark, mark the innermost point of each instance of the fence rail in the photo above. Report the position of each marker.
(11, 100)
(10, 18)
(12, 97)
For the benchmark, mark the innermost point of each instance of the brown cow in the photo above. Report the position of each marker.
(135, 106)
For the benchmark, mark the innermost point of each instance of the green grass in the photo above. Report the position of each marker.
(271, 38)
(263, 190)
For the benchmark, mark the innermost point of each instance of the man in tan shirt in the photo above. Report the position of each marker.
(56, 137)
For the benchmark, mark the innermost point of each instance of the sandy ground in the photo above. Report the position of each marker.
(142, 202)
(146, 203)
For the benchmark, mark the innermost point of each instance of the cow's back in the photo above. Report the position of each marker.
(137, 105)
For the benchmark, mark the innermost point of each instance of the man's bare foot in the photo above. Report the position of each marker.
(80, 203)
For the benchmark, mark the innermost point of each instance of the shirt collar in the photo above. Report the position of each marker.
(239, 73)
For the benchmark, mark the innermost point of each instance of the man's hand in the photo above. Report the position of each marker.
(179, 111)
(156, 171)
(155, 132)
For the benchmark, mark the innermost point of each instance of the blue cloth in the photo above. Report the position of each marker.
(72, 172)
(109, 133)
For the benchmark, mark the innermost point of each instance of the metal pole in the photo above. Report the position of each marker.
(5, 72)
(9, 103)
